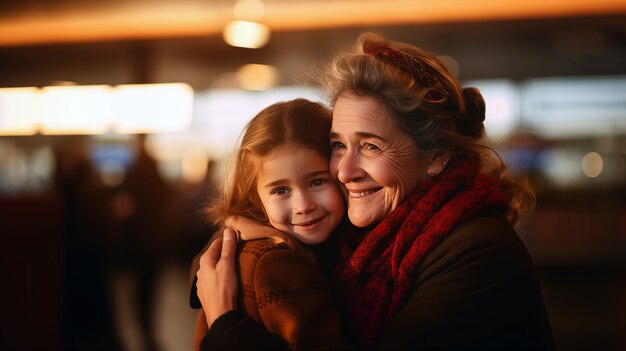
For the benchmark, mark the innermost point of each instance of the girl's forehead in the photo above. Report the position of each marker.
(291, 166)
(290, 148)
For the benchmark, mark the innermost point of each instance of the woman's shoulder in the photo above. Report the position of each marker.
(482, 272)
(483, 232)
(482, 243)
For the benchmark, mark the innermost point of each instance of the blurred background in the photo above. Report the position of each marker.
(116, 118)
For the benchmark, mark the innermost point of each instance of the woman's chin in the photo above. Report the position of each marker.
(360, 218)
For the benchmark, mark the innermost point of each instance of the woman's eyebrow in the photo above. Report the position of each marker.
(369, 135)
(335, 135)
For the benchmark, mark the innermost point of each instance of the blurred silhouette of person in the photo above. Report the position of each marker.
(140, 209)
(86, 321)
(196, 226)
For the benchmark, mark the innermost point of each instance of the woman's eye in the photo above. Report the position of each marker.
(318, 182)
(370, 146)
(334, 145)
(280, 191)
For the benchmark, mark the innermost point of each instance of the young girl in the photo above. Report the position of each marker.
(281, 178)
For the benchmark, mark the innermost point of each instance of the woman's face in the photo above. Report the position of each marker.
(377, 163)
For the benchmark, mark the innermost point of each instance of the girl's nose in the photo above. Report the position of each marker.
(304, 203)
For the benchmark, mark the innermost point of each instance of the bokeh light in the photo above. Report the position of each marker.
(592, 164)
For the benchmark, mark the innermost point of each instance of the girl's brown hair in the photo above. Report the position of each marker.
(301, 122)
(427, 102)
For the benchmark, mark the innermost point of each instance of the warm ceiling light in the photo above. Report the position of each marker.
(592, 164)
(246, 34)
(257, 77)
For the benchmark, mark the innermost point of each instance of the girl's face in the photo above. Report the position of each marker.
(298, 194)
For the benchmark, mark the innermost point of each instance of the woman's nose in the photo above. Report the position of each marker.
(349, 168)
(304, 203)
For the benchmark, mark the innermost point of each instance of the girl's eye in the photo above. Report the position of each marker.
(318, 182)
(334, 145)
(280, 191)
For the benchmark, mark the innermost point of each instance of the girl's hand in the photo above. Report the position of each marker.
(250, 230)
(217, 279)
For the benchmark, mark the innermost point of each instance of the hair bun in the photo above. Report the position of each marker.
(472, 123)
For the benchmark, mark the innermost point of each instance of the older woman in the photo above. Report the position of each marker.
(432, 260)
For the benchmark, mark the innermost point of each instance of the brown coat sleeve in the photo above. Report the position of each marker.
(476, 290)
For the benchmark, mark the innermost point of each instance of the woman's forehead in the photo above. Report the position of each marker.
(362, 115)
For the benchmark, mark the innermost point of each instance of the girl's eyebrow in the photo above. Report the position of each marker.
(275, 183)
(308, 175)
(318, 173)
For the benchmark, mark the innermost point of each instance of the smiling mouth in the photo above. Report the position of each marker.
(308, 223)
(363, 193)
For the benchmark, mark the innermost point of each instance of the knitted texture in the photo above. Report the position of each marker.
(374, 278)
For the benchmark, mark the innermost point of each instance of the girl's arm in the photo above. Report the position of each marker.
(249, 230)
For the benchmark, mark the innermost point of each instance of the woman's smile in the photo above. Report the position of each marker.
(362, 193)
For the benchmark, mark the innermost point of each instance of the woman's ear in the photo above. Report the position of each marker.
(438, 164)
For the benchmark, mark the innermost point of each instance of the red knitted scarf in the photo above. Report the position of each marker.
(374, 278)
